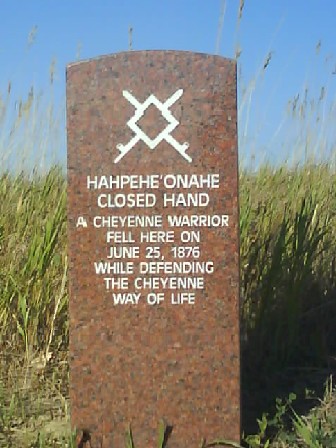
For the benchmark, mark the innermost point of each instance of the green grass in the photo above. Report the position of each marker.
(288, 234)
(33, 270)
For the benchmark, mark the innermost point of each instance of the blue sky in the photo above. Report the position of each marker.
(68, 30)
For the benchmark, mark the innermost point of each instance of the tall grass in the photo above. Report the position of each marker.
(33, 265)
(288, 271)
(33, 304)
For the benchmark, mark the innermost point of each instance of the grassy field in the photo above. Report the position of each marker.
(288, 307)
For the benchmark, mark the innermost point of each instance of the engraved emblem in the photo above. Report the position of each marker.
(140, 109)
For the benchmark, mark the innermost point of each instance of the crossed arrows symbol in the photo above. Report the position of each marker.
(140, 109)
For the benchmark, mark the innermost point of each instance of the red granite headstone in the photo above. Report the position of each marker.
(154, 248)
